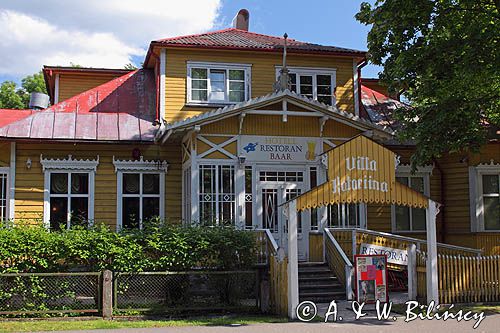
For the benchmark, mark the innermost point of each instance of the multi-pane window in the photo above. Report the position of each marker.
(69, 196)
(140, 196)
(212, 83)
(281, 176)
(291, 193)
(315, 84)
(491, 201)
(217, 197)
(3, 197)
(409, 218)
(345, 216)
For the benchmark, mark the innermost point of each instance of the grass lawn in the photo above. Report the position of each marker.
(64, 325)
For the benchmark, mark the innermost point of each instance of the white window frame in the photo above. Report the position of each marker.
(69, 166)
(405, 171)
(6, 172)
(141, 167)
(476, 194)
(218, 66)
(217, 194)
(314, 72)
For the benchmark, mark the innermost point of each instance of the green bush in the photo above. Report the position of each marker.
(158, 247)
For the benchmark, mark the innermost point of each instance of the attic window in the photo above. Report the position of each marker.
(217, 83)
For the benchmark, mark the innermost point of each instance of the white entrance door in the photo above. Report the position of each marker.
(272, 193)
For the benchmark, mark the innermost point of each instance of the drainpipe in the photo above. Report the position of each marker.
(443, 231)
(359, 66)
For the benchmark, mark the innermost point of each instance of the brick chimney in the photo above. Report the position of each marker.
(242, 20)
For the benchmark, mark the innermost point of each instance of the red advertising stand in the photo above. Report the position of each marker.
(371, 278)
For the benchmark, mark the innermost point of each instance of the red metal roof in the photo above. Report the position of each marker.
(8, 116)
(232, 38)
(379, 108)
(122, 109)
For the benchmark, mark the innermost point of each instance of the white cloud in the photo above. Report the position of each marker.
(97, 33)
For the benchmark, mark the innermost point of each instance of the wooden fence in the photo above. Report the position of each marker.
(462, 279)
(268, 253)
(339, 263)
(421, 270)
(468, 279)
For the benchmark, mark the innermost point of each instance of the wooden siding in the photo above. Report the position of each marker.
(456, 228)
(263, 75)
(316, 247)
(4, 154)
(274, 125)
(30, 182)
(379, 216)
(71, 84)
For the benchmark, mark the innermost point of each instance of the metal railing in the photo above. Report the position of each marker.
(182, 291)
(42, 293)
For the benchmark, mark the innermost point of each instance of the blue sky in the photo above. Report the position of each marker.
(323, 22)
(111, 33)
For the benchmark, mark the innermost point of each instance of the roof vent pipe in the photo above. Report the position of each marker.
(38, 101)
(242, 20)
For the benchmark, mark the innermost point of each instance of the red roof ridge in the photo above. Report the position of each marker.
(264, 35)
(193, 35)
(226, 30)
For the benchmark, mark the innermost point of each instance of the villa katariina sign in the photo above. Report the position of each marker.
(365, 182)
(361, 170)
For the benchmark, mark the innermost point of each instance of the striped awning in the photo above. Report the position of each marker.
(361, 171)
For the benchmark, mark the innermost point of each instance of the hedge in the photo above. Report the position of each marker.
(158, 247)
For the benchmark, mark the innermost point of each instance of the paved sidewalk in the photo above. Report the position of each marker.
(490, 324)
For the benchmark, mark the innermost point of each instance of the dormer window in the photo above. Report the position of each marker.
(217, 83)
(314, 83)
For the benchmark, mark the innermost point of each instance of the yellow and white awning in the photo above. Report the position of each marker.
(361, 171)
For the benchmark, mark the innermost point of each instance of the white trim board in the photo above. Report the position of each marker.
(476, 207)
(141, 167)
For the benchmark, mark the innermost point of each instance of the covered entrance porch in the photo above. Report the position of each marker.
(242, 162)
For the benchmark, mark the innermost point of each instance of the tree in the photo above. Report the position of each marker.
(445, 55)
(12, 97)
(33, 83)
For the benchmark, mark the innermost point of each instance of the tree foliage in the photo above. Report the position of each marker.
(10, 98)
(13, 97)
(445, 55)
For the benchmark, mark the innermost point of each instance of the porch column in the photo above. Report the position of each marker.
(240, 196)
(195, 213)
(432, 264)
(293, 260)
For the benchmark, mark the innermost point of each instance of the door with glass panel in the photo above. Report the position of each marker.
(274, 189)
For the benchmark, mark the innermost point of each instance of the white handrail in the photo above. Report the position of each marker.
(408, 239)
(337, 246)
(348, 268)
(270, 237)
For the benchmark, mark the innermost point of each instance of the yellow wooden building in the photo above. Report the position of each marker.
(202, 133)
